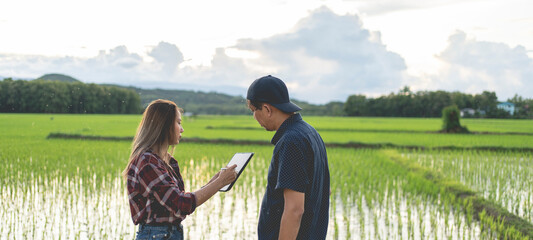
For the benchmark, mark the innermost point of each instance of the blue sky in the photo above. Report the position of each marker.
(324, 50)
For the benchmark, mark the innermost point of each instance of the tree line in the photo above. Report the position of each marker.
(43, 96)
(50, 96)
(406, 103)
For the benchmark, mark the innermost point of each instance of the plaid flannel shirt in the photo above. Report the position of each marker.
(156, 193)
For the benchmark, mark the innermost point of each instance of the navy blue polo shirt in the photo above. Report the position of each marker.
(300, 163)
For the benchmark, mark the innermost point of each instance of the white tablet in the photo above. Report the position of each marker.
(241, 159)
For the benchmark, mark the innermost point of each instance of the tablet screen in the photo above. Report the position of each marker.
(241, 159)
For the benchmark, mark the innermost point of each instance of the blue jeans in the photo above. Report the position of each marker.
(160, 232)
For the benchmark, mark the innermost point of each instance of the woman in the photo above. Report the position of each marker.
(158, 201)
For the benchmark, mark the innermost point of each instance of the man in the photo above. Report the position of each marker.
(296, 201)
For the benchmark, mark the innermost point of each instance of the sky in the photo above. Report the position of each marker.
(323, 50)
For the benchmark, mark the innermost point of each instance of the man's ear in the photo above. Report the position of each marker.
(268, 109)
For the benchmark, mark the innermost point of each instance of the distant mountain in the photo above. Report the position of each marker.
(194, 102)
(57, 77)
(197, 102)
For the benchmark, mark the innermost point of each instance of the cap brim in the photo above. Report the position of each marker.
(287, 107)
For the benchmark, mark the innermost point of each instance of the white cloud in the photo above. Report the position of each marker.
(168, 55)
(329, 57)
(475, 66)
(324, 57)
(118, 56)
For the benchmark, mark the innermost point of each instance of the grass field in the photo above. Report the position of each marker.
(71, 188)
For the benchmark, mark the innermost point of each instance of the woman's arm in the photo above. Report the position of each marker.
(224, 178)
(212, 179)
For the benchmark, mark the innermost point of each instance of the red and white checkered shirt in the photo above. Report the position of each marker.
(156, 192)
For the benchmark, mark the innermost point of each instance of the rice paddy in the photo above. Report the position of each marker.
(505, 178)
(71, 188)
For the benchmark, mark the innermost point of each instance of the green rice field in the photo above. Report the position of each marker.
(56, 188)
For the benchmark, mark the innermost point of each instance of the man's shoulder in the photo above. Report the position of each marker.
(301, 129)
(297, 133)
(292, 135)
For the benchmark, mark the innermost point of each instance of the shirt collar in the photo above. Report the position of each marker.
(284, 126)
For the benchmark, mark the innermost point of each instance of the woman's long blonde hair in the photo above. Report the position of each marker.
(156, 129)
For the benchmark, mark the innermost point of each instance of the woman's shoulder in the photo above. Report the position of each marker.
(146, 158)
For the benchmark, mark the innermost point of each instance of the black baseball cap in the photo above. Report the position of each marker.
(272, 90)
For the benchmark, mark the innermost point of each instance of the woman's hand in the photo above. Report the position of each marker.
(227, 175)
(221, 179)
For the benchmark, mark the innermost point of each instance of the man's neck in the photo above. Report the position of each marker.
(281, 118)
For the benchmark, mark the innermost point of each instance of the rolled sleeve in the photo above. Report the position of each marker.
(185, 203)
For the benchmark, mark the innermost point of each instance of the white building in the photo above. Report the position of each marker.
(507, 106)
(467, 112)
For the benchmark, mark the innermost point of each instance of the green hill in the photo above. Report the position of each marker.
(58, 77)
(195, 102)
